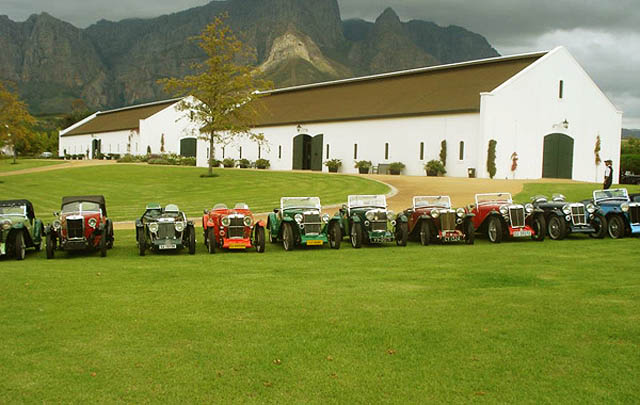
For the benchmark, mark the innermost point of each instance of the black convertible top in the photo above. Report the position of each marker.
(13, 203)
(635, 197)
(98, 199)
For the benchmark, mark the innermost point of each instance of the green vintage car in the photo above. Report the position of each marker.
(365, 219)
(19, 228)
(300, 221)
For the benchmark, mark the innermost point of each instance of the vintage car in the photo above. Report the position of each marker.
(563, 218)
(234, 229)
(431, 218)
(19, 228)
(300, 221)
(82, 224)
(622, 213)
(365, 219)
(165, 229)
(497, 216)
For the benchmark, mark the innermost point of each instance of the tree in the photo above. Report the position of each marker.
(491, 158)
(15, 120)
(222, 94)
(443, 152)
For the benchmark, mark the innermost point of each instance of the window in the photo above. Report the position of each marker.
(386, 151)
(461, 157)
(327, 151)
(240, 152)
(355, 151)
(223, 152)
(561, 89)
(421, 150)
(280, 152)
(259, 152)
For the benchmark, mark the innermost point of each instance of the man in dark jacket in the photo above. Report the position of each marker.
(608, 174)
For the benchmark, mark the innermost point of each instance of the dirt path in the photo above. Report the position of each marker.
(67, 165)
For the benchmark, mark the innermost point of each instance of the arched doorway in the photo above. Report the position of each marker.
(96, 148)
(188, 147)
(557, 161)
(307, 152)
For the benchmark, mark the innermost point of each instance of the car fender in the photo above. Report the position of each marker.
(403, 218)
(260, 223)
(469, 216)
(355, 219)
(139, 223)
(38, 229)
(18, 225)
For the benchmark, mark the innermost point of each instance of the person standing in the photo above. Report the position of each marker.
(608, 174)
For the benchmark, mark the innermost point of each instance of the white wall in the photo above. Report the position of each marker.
(404, 136)
(522, 111)
(112, 142)
(171, 122)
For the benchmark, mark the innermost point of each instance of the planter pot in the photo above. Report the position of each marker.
(243, 166)
(363, 170)
(333, 170)
(394, 172)
(432, 174)
(262, 168)
(228, 166)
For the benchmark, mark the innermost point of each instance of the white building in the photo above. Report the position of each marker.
(541, 106)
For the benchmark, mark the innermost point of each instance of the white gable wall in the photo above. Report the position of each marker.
(521, 112)
(171, 122)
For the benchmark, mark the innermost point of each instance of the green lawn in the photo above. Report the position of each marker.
(550, 322)
(128, 188)
(6, 165)
(573, 191)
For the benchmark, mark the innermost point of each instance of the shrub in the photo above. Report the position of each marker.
(396, 167)
(158, 161)
(630, 163)
(443, 153)
(228, 162)
(491, 158)
(216, 162)
(188, 161)
(263, 164)
(127, 159)
(333, 164)
(363, 164)
(244, 163)
(434, 168)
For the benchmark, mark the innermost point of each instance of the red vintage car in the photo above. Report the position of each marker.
(82, 224)
(431, 218)
(234, 229)
(498, 217)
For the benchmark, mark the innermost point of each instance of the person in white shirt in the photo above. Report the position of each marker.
(608, 174)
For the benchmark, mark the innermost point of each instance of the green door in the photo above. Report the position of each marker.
(557, 162)
(188, 147)
(316, 153)
(298, 151)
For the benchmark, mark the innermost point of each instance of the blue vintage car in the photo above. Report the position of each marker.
(563, 217)
(622, 213)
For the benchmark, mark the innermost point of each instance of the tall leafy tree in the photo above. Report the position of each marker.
(223, 90)
(15, 120)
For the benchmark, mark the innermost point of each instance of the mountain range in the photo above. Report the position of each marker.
(112, 64)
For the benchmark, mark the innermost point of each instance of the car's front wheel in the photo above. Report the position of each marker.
(50, 245)
(272, 238)
(288, 241)
(142, 242)
(469, 233)
(599, 223)
(260, 240)
(494, 230)
(192, 241)
(335, 235)
(356, 235)
(539, 226)
(425, 232)
(616, 227)
(103, 245)
(211, 241)
(19, 246)
(402, 234)
(557, 227)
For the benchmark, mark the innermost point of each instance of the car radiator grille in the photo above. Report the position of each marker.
(448, 221)
(379, 226)
(578, 215)
(516, 216)
(166, 231)
(312, 224)
(75, 228)
(634, 214)
(236, 228)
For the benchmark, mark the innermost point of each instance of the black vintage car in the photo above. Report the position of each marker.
(164, 229)
(564, 217)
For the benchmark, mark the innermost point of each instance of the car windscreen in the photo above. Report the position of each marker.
(440, 201)
(504, 198)
(81, 206)
(619, 194)
(300, 202)
(367, 201)
(13, 210)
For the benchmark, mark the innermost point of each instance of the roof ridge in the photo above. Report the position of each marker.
(132, 107)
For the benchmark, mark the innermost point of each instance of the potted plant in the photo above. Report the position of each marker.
(434, 168)
(363, 166)
(244, 163)
(216, 162)
(396, 167)
(262, 164)
(333, 165)
(228, 162)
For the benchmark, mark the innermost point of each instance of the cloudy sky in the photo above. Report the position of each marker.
(604, 36)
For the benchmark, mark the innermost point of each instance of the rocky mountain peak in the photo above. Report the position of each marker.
(389, 19)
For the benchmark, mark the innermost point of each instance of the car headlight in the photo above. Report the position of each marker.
(391, 215)
(566, 209)
(92, 222)
(248, 221)
(435, 213)
(57, 224)
(369, 215)
(529, 208)
(504, 210)
(325, 218)
(591, 208)
(226, 221)
(624, 207)
(460, 212)
(179, 226)
(6, 224)
(298, 218)
(153, 227)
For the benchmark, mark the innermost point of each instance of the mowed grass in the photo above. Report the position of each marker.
(550, 322)
(573, 191)
(128, 188)
(6, 165)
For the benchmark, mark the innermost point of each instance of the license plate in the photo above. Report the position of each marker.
(314, 243)
(453, 238)
(167, 247)
(237, 246)
(521, 234)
